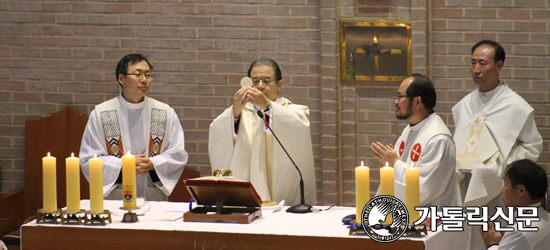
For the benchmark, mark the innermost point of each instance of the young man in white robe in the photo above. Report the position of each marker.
(133, 122)
(425, 143)
(494, 126)
(525, 184)
(239, 139)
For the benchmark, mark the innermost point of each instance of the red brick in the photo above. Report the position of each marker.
(197, 44)
(476, 37)
(55, 7)
(180, 8)
(541, 14)
(86, 7)
(529, 50)
(530, 26)
(497, 3)
(71, 19)
(514, 14)
(117, 8)
(447, 13)
(241, 10)
(486, 13)
(12, 108)
(530, 3)
(211, 9)
(149, 8)
(103, 19)
(497, 26)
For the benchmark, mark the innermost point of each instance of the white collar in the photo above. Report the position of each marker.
(491, 92)
(421, 124)
(259, 108)
(130, 105)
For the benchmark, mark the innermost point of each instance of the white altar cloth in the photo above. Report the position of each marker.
(318, 224)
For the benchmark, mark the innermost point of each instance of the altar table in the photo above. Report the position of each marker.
(159, 229)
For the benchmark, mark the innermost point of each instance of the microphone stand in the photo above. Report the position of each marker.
(298, 208)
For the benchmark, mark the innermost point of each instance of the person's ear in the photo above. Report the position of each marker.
(500, 64)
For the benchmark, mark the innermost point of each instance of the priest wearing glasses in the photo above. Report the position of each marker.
(149, 129)
(240, 140)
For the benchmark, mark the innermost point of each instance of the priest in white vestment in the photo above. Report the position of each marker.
(426, 143)
(133, 122)
(241, 141)
(525, 185)
(494, 126)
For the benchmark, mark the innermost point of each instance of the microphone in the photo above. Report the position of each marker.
(298, 208)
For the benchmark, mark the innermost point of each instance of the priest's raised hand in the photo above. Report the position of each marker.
(239, 101)
(384, 153)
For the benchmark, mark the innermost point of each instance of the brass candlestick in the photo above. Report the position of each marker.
(68, 217)
(44, 217)
(91, 218)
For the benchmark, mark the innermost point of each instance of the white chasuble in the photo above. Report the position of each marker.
(492, 130)
(149, 128)
(428, 145)
(255, 155)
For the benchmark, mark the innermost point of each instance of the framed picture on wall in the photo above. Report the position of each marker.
(375, 51)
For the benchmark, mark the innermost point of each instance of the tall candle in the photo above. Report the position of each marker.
(129, 181)
(73, 183)
(386, 180)
(412, 193)
(362, 190)
(49, 182)
(386, 186)
(96, 184)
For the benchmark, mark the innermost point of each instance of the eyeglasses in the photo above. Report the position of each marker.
(147, 76)
(266, 81)
(401, 96)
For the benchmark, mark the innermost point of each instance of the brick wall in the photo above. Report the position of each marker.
(54, 54)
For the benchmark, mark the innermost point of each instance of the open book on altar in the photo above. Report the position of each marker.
(236, 192)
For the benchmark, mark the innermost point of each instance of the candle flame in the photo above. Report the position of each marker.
(95, 155)
(362, 165)
(48, 154)
(412, 165)
(128, 152)
(72, 154)
(387, 165)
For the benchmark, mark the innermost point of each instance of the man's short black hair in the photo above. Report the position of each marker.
(267, 62)
(500, 55)
(423, 87)
(530, 175)
(122, 66)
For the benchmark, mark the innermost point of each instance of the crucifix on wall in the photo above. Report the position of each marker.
(375, 51)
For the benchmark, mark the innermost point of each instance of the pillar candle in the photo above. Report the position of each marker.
(49, 189)
(96, 184)
(129, 181)
(362, 190)
(386, 186)
(73, 183)
(386, 180)
(412, 193)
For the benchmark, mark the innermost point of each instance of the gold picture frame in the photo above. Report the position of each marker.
(378, 50)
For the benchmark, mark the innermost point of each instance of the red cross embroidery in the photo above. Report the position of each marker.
(401, 148)
(415, 152)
